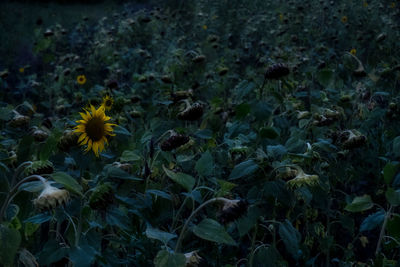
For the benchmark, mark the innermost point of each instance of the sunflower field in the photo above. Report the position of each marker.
(202, 133)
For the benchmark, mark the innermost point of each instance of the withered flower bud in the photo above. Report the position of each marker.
(192, 259)
(51, 197)
(277, 71)
(232, 210)
(19, 120)
(174, 141)
(40, 135)
(166, 79)
(192, 112)
(101, 197)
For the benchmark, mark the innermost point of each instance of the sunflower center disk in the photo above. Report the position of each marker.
(95, 129)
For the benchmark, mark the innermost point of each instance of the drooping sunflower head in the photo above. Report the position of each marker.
(94, 129)
(81, 79)
(107, 102)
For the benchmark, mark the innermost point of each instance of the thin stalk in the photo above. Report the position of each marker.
(382, 233)
(253, 242)
(185, 226)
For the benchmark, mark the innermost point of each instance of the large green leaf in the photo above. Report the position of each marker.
(372, 221)
(211, 230)
(129, 156)
(205, 165)
(10, 240)
(393, 196)
(67, 181)
(243, 169)
(154, 233)
(290, 237)
(185, 180)
(389, 171)
(360, 204)
(169, 259)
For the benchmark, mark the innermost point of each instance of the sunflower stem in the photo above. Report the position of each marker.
(185, 226)
(14, 191)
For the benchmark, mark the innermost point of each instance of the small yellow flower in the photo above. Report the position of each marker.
(281, 17)
(205, 27)
(107, 102)
(21, 70)
(94, 129)
(353, 51)
(393, 5)
(81, 79)
(365, 4)
(344, 19)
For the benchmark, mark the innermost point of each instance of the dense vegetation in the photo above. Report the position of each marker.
(205, 133)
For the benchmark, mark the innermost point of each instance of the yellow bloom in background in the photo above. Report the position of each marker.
(393, 5)
(344, 19)
(81, 79)
(365, 4)
(94, 129)
(205, 27)
(107, 102)
(353, 51)
(281, 17)
(21, 70)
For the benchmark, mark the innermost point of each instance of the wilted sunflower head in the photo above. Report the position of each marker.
(107, 102)
(94, 129)
(50, 197)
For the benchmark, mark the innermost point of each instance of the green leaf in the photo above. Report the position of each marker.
(226, 187)
(116, 217)
(10, 240)
(396, 146)
(325, 77)
(114, 172)
(389, 171)
(372, 221)
(243, 169)
(82, 256)
(68, 182)
(12, 211)
(30, 228)
(38, 219)
(119, 130)
(290, 237)
(50, 146)
(266, 256)
(169, 259)
(154, 233)
(129, 156)
(183, 179)
(242, 110)
(268, 132)
(205, 165)
(211, 230)
(393, 196)
(360, 204)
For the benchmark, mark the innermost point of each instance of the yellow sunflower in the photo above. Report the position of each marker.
(353, 51)
(81, 79)
(94, 129)
(344, 19)
(107, 102)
